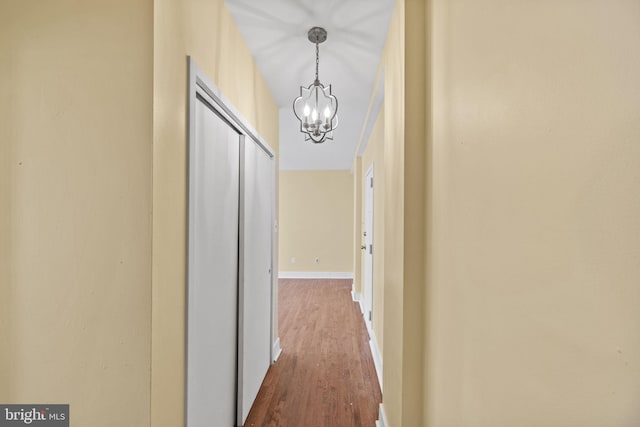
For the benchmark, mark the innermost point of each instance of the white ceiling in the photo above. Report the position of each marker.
(276, 32)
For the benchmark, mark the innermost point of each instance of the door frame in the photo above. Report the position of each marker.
(200, 86)
(367, 288)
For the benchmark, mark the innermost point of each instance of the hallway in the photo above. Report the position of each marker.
(325, 375)
(501, 263)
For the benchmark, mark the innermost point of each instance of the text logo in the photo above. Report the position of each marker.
(34, 415)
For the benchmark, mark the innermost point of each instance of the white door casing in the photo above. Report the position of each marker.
(369, 248)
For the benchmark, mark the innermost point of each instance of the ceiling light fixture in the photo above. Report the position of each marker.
(316, 108)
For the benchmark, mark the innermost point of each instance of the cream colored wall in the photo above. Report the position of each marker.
(393, 63)
(404, 63)
(75, 207)
(316, 220)
(357, 226)
(536, 150)
(207, 32)
(374, 155)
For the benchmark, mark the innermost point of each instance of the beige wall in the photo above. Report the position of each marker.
(75, 207)
(316, 220)
(207, 32)
(535, 285)
(404, 65)
(357, 226)
(393, 63)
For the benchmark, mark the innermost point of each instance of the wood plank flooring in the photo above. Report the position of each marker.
(325, 376)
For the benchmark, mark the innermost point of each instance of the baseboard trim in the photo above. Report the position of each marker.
(382, 418)
(315, 275)
(355, 296)
(276, 350)
(377, 357)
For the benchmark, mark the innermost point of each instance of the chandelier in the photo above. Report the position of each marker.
(316, 108)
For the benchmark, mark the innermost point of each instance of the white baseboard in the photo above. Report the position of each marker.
(382, 418)
(276, 350)
(355, 296)
(315, 275)
(377, 356)
(368, 325)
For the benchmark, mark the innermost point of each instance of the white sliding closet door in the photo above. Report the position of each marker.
(213, 271)
(258, 182)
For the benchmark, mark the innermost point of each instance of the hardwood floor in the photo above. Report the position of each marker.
(325, 376)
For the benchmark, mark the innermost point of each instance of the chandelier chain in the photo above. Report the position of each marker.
(317, 59)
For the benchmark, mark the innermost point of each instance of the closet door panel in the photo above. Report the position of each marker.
(256, 269)
(213, 271)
